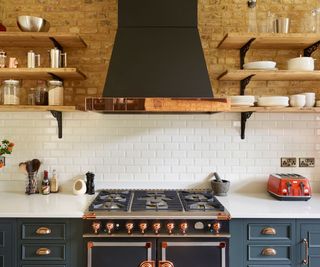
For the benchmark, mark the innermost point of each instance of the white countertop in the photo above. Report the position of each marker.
(240, 205)
(262, 205)
(61, 205)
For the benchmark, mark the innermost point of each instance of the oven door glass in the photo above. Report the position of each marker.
(120, 254)
(189, 253)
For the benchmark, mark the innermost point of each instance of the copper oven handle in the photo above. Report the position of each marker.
(165, 264)
(43, 231)
(268, 252)
(147, 264)
(306, 253)
(43, 251)
(269, 231)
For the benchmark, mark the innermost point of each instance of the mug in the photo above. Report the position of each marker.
(13, 63)
(297, 101)
(310, 99)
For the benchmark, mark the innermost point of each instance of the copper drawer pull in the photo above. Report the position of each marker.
(147, 264)
(269, 252)
(43, 231)
(165, 264)
(306, 253)
(43, 251)
(269, 231)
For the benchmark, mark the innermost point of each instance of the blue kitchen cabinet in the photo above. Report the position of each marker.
(7, 243)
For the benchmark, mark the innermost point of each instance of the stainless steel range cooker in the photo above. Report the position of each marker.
(148, 228)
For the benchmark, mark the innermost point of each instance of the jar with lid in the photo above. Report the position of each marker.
(41, 94)
(11, 92)
(55, 93)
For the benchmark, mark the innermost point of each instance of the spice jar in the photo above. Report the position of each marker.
(3, 56)
(55, 93)
(11, 92)
(41, 94)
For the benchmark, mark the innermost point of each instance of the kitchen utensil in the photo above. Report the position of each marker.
(273, 101)
(31, 59)
(310, 99)
(260, 65)
(297, 101)
(79, 187)
(218, 179)
(23, 167)
(301, 64)
(220, 188)
(3, 56)
(13, 63)
(57, 58)
(35, 165)
(242, 100)
(282, 25)
(289, 187)
(32, 24)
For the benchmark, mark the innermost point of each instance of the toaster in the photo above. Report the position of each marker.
(288, 186)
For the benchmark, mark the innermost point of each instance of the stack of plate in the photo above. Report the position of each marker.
(273, 101)
(242, 101)
(260, 65)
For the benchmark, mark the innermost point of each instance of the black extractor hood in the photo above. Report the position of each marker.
(157, 51)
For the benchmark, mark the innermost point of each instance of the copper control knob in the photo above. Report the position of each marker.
(129, 227)
(183, 228)
(110, 227)
(216, 227)
(143, 227)
(96, 225)
(170, 227)
(156, 228)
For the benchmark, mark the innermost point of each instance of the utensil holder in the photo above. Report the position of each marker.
(32, 183)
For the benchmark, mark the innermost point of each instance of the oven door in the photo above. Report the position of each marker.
(120, 253)
(193, 253)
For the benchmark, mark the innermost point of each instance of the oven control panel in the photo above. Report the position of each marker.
(106, 227)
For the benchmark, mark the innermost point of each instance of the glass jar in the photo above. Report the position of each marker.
(11, 92)
(41, 94)
(3, 56)
(55, 93)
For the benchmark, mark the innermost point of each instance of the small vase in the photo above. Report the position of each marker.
(2, 162)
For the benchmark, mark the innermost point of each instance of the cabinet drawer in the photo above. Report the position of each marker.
(270, 253)
(267, 265)
(274, 231)
(43, 252)
(44, 265)
(43, 231)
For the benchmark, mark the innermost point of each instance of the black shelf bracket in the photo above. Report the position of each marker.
(312, 48)
(58, 116)
(244, 83)
(244, 117)
(55, 77)
(244, 50)
(56, 43)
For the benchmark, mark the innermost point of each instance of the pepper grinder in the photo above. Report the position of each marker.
(90, 183)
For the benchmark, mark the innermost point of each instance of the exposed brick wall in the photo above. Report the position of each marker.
(96, 21)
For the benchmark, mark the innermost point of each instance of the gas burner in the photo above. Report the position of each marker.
(201, 206)
(113, 197)
(196, 197)
(111, 201)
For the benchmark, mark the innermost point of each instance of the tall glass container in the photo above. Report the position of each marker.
(252, 16)
(11, 92)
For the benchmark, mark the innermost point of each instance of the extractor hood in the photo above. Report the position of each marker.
(157, 63)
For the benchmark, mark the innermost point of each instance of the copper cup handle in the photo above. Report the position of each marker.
(269, 231)
(269, 252)
(306, 253)
(166, 264)
(43, 251)
(147, 264)
(43, 231)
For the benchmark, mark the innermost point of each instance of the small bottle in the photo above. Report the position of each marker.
(41, 94)
(252, 16)
(54, 185)
(45, 186)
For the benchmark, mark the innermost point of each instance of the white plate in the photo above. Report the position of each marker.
(260, 65)
(242, 100)
(273, 101)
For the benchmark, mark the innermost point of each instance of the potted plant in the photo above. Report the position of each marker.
(6, 148)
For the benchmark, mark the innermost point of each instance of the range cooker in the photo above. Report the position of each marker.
(148, 228)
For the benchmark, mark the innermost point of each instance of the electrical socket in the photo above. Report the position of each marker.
(288, 162)
(306, 162)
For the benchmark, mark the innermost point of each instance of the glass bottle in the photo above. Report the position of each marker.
(54, 185)
(41, 94)
(45, 186)
(252, 16)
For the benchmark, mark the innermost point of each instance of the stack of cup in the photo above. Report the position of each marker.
(303, 100)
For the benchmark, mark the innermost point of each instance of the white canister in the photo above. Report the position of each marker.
(298, 101)
(55, 93)
(79, 187)
(310, 99)
(11, 92)
(301, 64)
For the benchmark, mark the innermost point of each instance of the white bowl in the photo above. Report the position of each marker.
(298, 101)
(273, 101)
(242, 100)
(260, 65)
(301, 64)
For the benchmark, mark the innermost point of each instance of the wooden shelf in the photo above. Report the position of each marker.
(273, 75)
(269, 40)
(275, 109)
(40, 39)
(28, 108)
(42, 73)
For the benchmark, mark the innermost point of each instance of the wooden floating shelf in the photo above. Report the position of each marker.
(275, 109)
(42, 73)
(267, 75)
(269, 40)
(29, 108)
(40, 39)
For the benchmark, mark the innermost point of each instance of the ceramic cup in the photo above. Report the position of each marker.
(298, 101)
(310, 99)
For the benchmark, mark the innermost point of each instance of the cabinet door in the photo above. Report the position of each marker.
(309, 244)
(6, 245)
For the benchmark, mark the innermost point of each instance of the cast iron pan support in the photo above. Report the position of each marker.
(58, 116)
